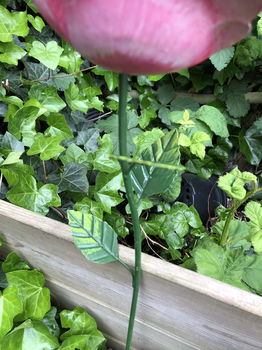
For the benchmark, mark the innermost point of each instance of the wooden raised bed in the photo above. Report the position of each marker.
(178, 309)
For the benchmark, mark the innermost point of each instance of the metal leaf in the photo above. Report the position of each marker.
(150, 180)
(94, 237)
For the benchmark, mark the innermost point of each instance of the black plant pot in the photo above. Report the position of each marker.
(204, 194)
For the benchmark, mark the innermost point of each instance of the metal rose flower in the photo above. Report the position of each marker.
(149, 36)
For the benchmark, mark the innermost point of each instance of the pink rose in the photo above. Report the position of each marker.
(149, 36)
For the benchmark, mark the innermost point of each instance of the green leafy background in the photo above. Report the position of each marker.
(59, 129)
(27, 319)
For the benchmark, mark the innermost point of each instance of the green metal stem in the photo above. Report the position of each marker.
(123, 124)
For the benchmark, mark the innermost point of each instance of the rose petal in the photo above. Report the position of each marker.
(149, 36)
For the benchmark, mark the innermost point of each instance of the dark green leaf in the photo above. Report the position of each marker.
(251, 143)
(151, 180)
(72, 179)
(50, 322)
(106, 190)
(252, 275)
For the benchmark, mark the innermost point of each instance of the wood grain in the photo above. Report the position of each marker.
(178, 309)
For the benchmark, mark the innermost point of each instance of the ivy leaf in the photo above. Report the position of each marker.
(12, 158)
(90, 207)
(11, 53)
(48, 147)
(78, 320)
(146, 116)
(151, 180)
(73, 178)
(184, 217)
(10, 142)
(36, 22)
(23, 121)
(48, 98)
(91, 341)
(50, 322)
(36, 71)
(26, 194)
(75, 100)
(110, 126)
(10, 306)
(12, 24)
(142, 204)
(60, 81)
(253, 211)
(13, 262)
(94, 237)
(31, 290)
(251, 143)
(32, 334)
(14, 172)
(89, 139)
(213, 118)
(174, 189)
(146, 139)
(117, 222)
(75, 154)
(106, 190)
(58, 126)
(70, 59)
(83, 331)
(102, 160)
(222, 58)
(234, 183)
(110, 77)
(48, 54)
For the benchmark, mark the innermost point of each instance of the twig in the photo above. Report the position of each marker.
(252, 97)
(100, 116)
(151, 240)
(63, 76)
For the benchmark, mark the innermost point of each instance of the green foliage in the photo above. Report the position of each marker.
(26, 194)
(222, 58)
(48, 54)
(27, 320)
(251, 143)
(60, 130)
(225, 265)
(253, 211)
(151, 180)
(234, 183)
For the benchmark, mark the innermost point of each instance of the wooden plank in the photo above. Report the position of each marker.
(178, 309)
